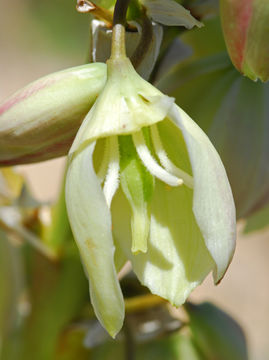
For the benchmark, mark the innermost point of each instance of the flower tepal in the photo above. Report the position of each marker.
(144, 183)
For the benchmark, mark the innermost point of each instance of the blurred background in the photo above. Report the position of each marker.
(40, 37)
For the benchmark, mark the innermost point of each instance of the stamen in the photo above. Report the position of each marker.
(151, 164)
(165, 161)
(101, 173)
(112, 176)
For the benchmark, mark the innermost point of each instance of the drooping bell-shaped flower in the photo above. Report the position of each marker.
(144, 183)
(40, 121)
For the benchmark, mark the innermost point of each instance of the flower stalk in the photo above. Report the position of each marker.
(118, 50)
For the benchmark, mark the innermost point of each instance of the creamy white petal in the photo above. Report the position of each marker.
(177, 259)
(91, 225)
(213, 203)
(126, 104)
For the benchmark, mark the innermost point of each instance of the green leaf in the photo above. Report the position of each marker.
(170, 13)
(258, 221)
(216, 334)
(207, 40)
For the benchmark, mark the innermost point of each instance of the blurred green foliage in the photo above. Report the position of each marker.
(59, 25)
(216, 334)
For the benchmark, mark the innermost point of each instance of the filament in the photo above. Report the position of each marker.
(151, 164)
(165, 161)
(112, 176)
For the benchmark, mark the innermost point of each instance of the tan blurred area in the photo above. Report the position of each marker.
(25, 56)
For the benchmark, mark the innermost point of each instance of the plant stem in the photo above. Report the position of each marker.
(31, 238)
(145, 41)
(118, 35)
(120, 12)
(118, 42)
(129, 341)
(142, 302)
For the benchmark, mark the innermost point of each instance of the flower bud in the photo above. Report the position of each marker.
(246, 31)
(40, 121)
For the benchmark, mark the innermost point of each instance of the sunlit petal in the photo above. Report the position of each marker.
(91, 225)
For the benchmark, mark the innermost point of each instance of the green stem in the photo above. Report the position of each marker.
(118, 36)
(129, 341)
(118, 42)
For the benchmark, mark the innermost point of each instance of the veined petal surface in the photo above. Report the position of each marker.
(126, 104)
(213, 203)
(177, 259)
(91, 225)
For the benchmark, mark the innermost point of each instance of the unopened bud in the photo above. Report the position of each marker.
(40, 121)
(246, 31)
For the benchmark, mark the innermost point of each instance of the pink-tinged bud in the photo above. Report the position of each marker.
(245, 26)
(40, 121)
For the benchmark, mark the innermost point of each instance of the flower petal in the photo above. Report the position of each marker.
(126, 104)
(91, 225)
(177, 259)
(213, 203)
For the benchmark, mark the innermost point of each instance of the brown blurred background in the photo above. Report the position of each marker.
(39, 37)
